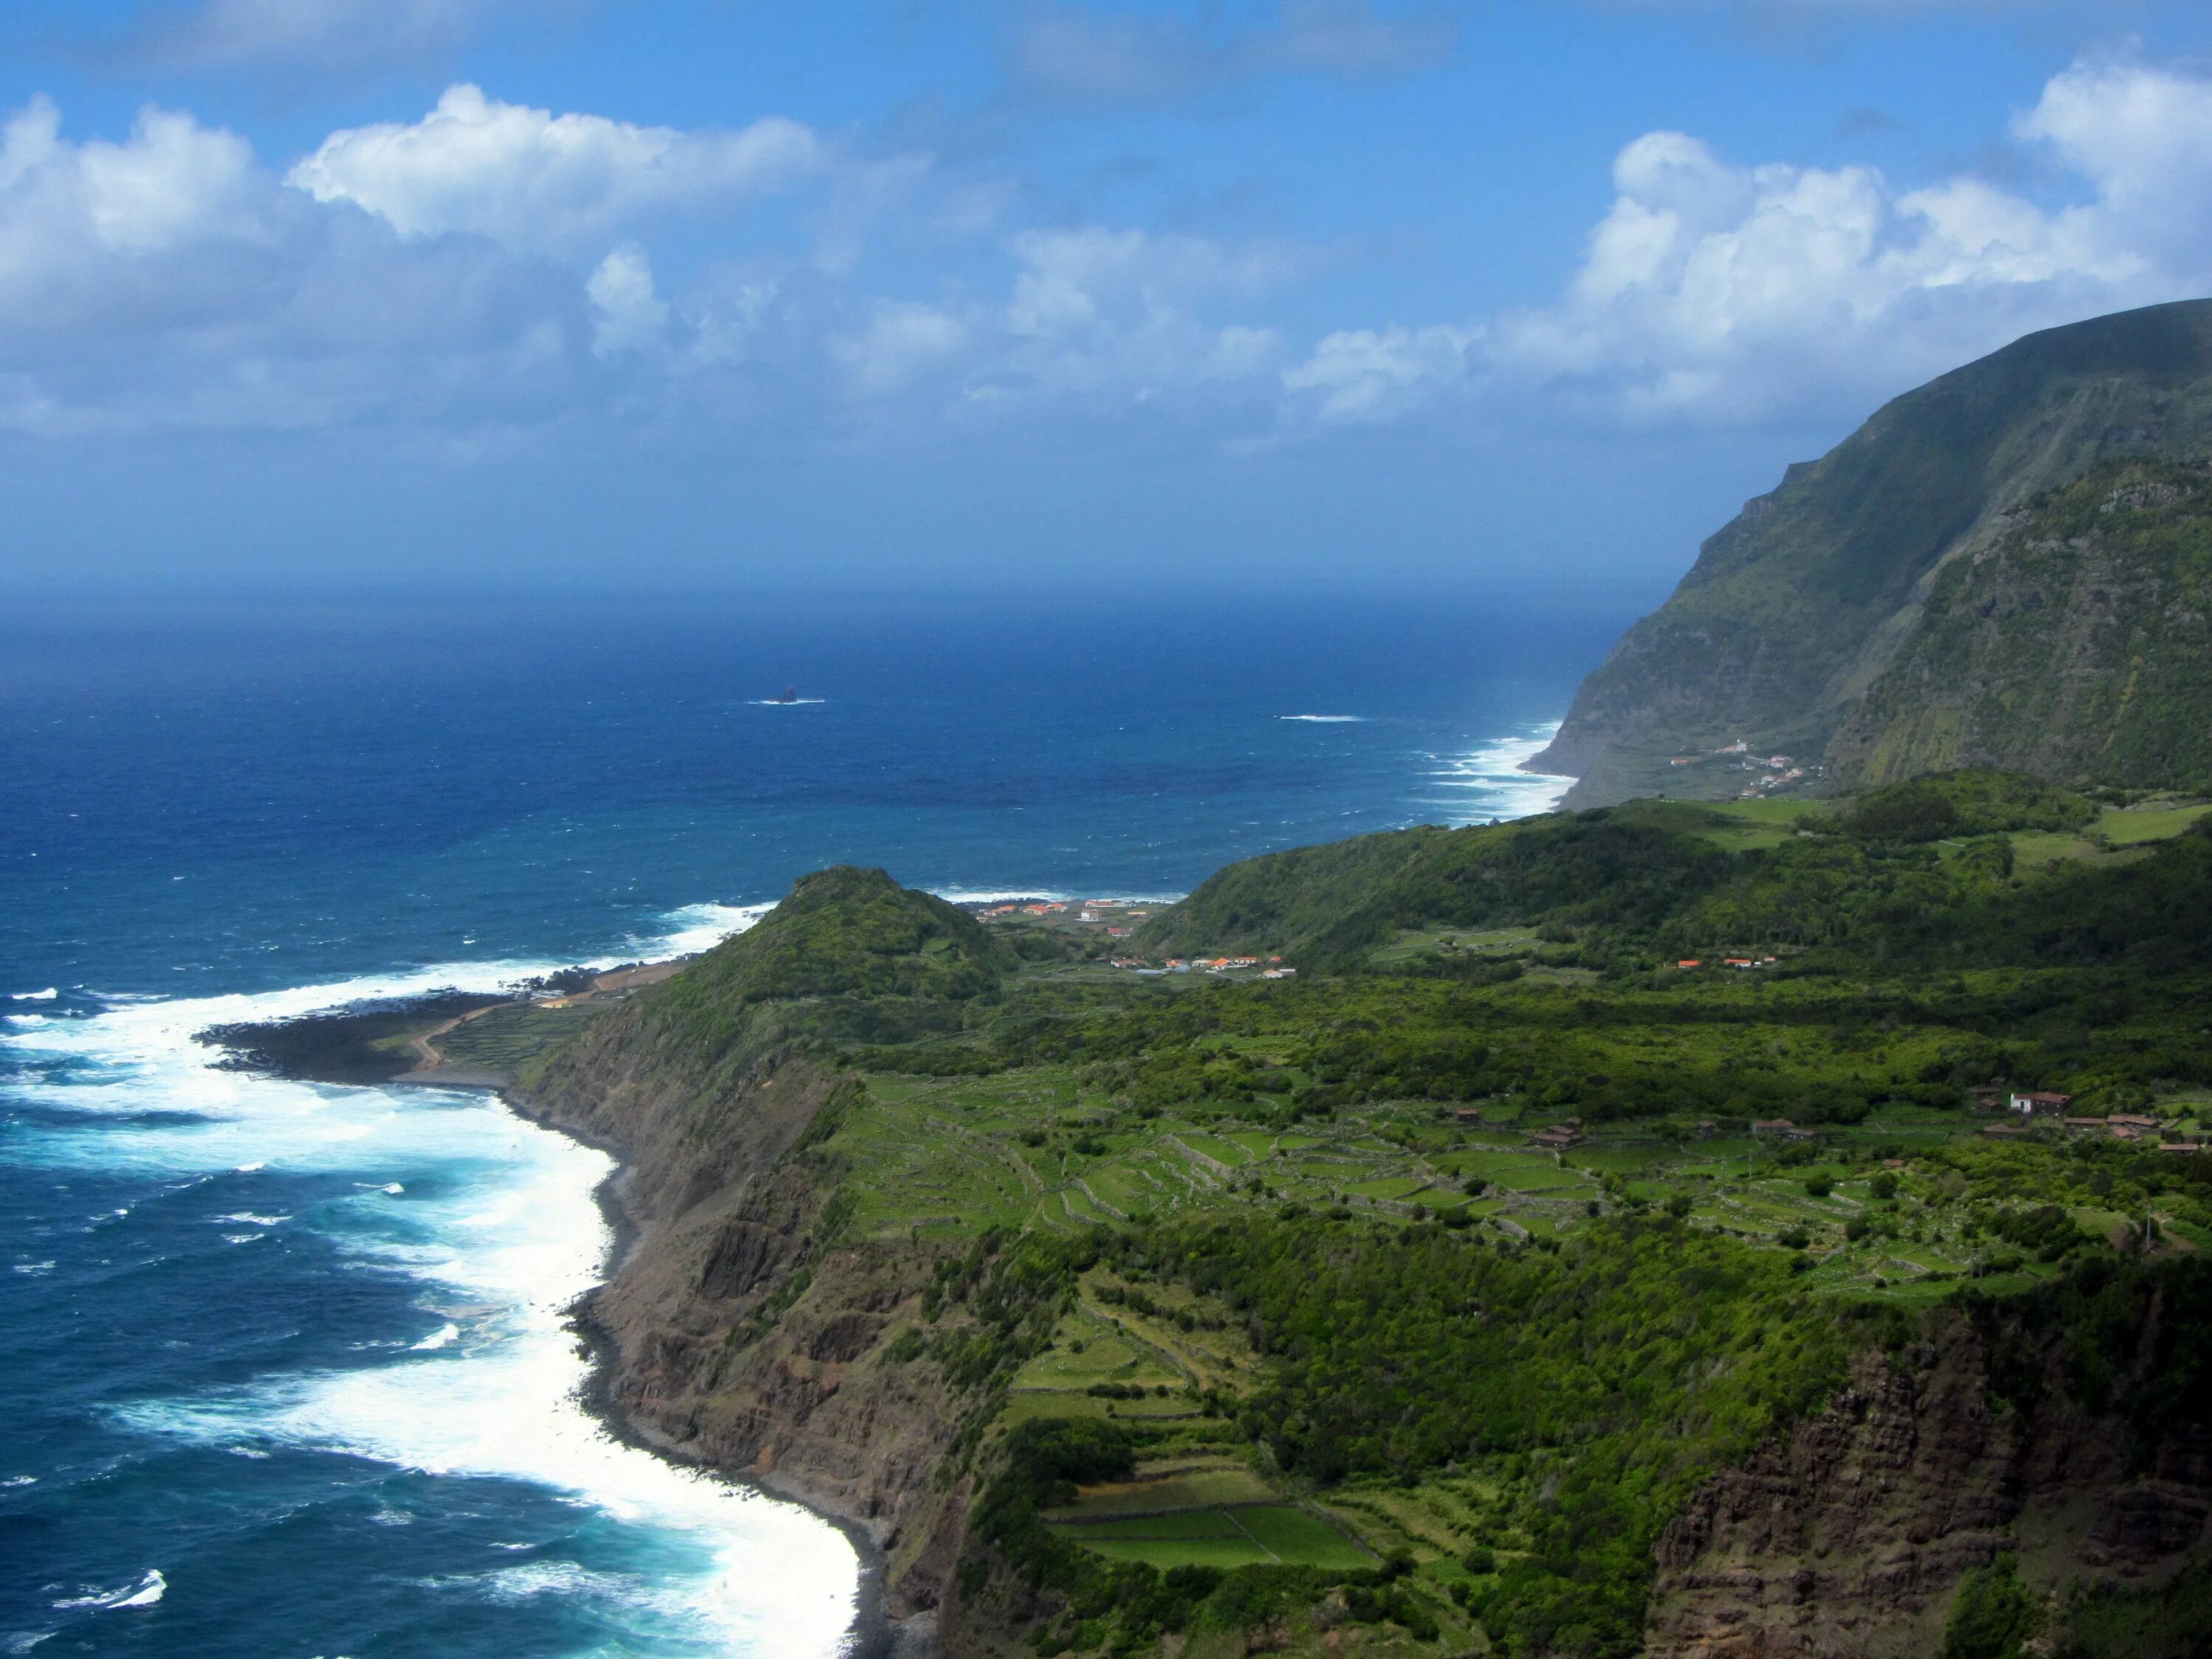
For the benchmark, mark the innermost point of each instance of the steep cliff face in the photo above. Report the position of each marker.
(745, 1333)
(1795, 609)
(748, 1330)
(1851, 1537)
(2071, 644)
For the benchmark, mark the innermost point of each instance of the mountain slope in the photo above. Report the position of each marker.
(1796, 608)
(2073, 645)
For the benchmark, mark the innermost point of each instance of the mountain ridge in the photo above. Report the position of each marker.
(1796, 609)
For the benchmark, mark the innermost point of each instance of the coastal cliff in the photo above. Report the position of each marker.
(1504, 1281)
(746, 1329)
(1784, 633)
(1852, 1536)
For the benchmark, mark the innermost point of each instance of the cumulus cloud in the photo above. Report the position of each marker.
(169, 280)
(1080, 51)
(1092, 315)
(1122, 312)
(531, 179)
(629, 315)
(899, 344)
(1712, 290)
(1371, 374)
(155, 225)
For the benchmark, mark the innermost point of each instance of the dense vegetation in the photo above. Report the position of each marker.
(2072, 646)
(1269, 1317)
(1816, 580)
(843, 934)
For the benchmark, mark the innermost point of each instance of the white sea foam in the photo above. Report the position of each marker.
(1488, 782)
(47, 995)
(503, 1218)
(144, 1593)
(997, 895)
(788, 702)
(1326, 719)
(698, 928)
(444, 1337)
(21, 1481)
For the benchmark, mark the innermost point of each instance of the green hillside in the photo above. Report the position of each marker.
(1422, 1301)
(1795, 610)
(843, 934)
(2076, 644)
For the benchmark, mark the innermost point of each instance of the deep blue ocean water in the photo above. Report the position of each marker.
(288, 1371)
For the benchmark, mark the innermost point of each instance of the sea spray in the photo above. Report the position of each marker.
(493, 1222)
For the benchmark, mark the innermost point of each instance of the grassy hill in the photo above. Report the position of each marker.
(1795, 610)
(1194, 1315)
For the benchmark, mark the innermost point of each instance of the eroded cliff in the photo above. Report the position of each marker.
(748, 1330)
(1849, 1539)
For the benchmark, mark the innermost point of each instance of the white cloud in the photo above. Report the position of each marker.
(169, 281)
(628, 314)
(171, 183)
(1711, 290)
(899, 344)
(1096, 310)
(534, 180)
(1369, 374)
(1092, 315)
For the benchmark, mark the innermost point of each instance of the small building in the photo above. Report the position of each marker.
(2039, 1103)
(2130, 1126)
(1780, 1127)
(1707, 1131)
(2180, 1146)
(2085, 1125)
(1556, 1138)
(1737, 962)
(1689, 962)
(1467, 1115)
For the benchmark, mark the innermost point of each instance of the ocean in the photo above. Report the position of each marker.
(289, 1371)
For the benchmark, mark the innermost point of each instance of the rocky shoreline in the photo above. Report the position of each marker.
(356, 1047)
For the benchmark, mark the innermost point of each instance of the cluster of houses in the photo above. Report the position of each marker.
(2046, 1108)
(1781, 769)
(1040, 908)
(1730, 961)
(1273, 969)
(1559, 1137)
(1091, 913)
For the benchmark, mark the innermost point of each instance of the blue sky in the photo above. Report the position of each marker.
(1505, 296)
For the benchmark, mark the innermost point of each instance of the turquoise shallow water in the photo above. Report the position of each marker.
(288, 1369)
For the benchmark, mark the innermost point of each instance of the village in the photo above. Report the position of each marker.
(1102, 918)
(1772, 774)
